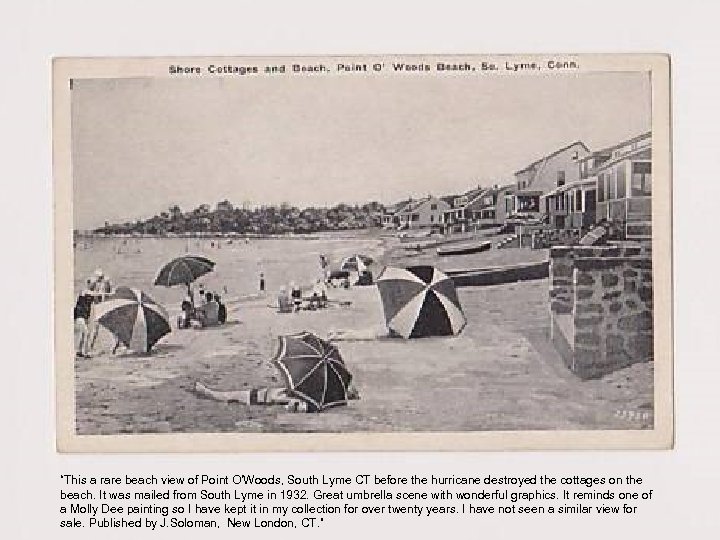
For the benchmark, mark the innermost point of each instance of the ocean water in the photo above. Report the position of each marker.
(134, 262)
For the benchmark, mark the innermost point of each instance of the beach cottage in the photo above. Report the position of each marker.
(624, 187)
(571, 206)
(459, 216)
(390, 218)
(426, 212)
(484, 208)
(543, 176)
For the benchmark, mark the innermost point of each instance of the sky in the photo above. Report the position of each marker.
(141, 145)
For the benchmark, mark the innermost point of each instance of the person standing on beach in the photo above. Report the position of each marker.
(262, 282)
(104, 291)
(324, 267)
(81, 315)
(95, 290)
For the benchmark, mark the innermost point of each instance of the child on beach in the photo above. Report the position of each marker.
(264, 396)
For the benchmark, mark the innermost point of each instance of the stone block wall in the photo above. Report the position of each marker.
(601, 304)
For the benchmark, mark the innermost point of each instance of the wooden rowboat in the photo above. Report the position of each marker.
(464, 249)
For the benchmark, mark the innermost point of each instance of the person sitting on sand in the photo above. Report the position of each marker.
(222, 310)
(201, 293)
(314, 302)
(187, 313)
(208, 313)
(320, 294)
(284, 303)
(296, 295)
(264, 396)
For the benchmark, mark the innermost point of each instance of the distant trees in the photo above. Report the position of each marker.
(271, 219)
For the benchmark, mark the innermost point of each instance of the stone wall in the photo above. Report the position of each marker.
(601, 304)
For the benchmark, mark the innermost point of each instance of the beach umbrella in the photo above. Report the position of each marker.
(134, 318)
(357, 263)
(420, 301)
(183, 270)
(313, 370)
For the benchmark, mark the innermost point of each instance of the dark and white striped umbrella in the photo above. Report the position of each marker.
(420, 301)
(356, 263)
(313, 370)
(134, 318)
(183, 270)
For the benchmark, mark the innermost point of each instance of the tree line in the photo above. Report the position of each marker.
(270, 219)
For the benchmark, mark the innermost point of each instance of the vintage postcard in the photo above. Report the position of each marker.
(363, 253)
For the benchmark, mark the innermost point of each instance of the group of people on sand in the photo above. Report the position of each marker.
(98, 287)
(208, 311)
(291, 300)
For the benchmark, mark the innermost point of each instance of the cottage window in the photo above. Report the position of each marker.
(432, 218)
(578, 200)
(415, 217)
(641, 183)
(561, 178)
(433, 206)
(621, 182)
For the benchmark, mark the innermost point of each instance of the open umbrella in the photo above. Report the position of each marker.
(420, 301)
(183, 270)
(135, 319)
(356, 263)
(313, 370)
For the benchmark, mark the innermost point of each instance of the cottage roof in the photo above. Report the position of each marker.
(550, 156)
(449, 198)
(417, 204)
(609, 149)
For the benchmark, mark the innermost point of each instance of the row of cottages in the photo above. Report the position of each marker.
(614, 184)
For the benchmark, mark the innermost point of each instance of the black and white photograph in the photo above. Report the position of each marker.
(429, 246)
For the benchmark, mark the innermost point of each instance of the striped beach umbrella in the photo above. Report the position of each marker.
(356, 263)
(134, 318)
(183, 270)
(313, 370)
(420, 301)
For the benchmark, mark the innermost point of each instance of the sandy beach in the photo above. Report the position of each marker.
(500, 373)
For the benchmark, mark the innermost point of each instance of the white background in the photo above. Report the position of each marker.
(685, 480)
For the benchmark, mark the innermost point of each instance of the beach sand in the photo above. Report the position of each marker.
(500, 373)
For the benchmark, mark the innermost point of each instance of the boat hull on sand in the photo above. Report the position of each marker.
(465, 249)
